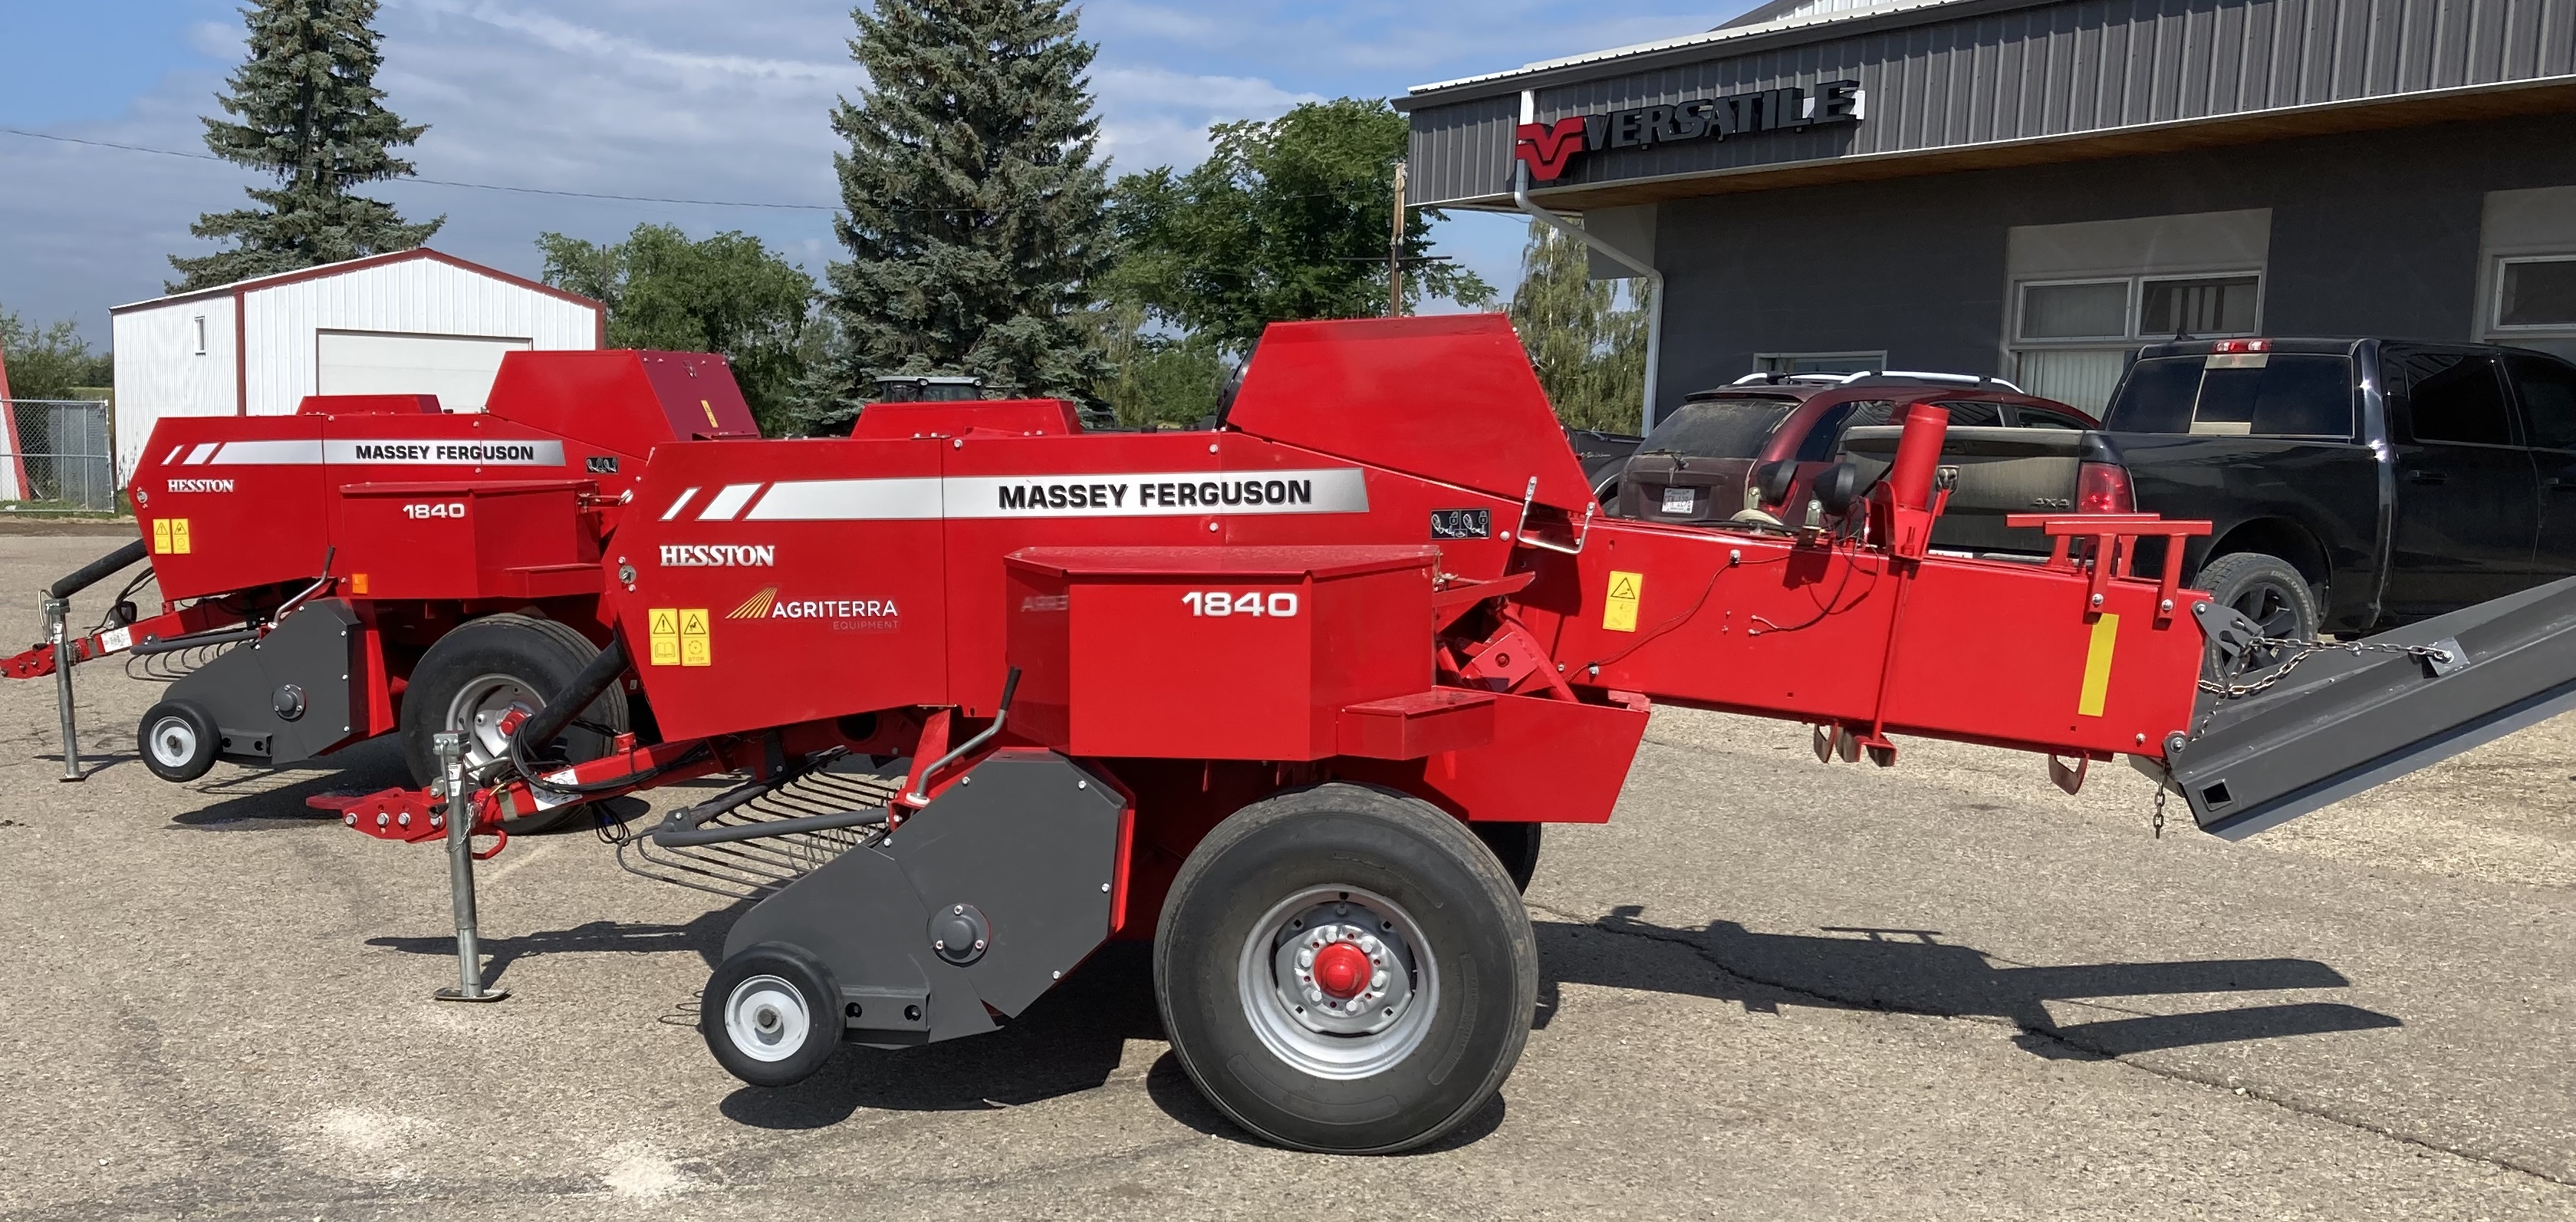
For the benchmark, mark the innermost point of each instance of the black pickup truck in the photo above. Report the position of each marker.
(2351, 484)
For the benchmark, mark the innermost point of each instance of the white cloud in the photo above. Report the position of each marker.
(677, 98)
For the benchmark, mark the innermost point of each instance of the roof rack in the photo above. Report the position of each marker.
(1872, 377)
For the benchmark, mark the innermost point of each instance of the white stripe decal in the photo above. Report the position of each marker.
(174, 454)
(725, 504)
(268, 453)
(848, 500)
(199, 454)
(680, 504)
(1156, 494)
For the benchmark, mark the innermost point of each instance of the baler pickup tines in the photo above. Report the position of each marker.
(760, 837)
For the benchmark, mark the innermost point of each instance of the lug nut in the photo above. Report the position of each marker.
(382, 819)
(350, 818)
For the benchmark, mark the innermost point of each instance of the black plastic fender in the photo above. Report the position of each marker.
(1022, 851)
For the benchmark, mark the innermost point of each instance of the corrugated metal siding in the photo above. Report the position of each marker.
(159, 372)
(2046, 70)
(418, 296)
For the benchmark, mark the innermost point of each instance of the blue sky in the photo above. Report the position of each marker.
(664, 98)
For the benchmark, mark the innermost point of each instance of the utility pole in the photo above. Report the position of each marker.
(1395, 252)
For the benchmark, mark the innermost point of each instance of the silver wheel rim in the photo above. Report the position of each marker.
(482, 709)
(173, 742)
(766, 1019)
(1330, 1034)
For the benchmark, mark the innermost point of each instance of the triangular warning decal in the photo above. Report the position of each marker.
(1625, 587)
(662, 624)
(693, 623)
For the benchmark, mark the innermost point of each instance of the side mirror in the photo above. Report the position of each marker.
(1835, 488)
(1772, 479)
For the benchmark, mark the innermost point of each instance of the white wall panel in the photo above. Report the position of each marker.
(284, 323)
(159, 371)
(457, 368)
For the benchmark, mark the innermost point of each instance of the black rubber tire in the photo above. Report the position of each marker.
(2267, 590)
(1407, 850)
(1515, 845)
(193, 722)
(543, 656)
(812, 982)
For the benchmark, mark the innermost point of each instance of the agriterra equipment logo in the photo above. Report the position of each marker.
(1548, 148)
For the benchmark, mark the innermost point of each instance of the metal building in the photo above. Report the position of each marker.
(2032, 188)
(414, 322)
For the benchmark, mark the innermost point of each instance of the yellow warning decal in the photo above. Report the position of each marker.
(160, 536)
(693, 637)
(662, 627)
(1619, 605)
(710, 410)
(170, 536)
(2097, 665)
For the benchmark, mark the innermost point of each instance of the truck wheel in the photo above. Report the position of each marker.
(474, 679)
(178, 740)
(2268, 591)
(1345, 969)
(771, 1015)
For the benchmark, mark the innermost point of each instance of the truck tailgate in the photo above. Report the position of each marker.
(2001, 471)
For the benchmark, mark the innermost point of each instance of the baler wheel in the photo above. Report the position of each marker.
(179, 740)
(1345, 969)
(771, 1015)
(484, 678)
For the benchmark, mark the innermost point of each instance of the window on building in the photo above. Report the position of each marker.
(1818, 362)
(197, 326)
(2072, 338)
(2536, 293)
(2094, 310)
(2209, 305)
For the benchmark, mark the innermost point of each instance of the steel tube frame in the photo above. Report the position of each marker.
(450, 748)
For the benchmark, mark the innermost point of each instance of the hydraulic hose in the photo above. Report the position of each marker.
(90, 573)
(550, 720)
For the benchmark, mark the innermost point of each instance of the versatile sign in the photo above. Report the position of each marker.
(1549, 148)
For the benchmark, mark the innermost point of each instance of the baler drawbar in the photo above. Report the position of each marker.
(1290, 696)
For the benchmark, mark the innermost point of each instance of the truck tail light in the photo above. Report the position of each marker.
(2242, 345)
(2103, 487)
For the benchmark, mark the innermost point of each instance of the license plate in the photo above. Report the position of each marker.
(1677, 500)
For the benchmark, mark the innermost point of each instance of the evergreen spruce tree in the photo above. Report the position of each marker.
(310, 114)
(973, 205)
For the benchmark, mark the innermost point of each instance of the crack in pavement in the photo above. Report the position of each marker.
(2061, 1039)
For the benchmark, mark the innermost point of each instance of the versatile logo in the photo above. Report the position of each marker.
(767, 605)
(719, 555)
(200, 485)
(1547, 149)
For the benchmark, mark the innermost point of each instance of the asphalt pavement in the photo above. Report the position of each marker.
(1772, 988)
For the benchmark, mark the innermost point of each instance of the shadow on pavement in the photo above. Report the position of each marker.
(1912, 971)
(702, 935)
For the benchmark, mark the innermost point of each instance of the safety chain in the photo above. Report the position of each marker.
(2238, 691)
(2306, 649)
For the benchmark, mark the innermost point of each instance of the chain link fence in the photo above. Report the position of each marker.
(55, 457)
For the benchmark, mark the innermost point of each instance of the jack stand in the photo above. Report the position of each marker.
(58, 612)
(450, 748)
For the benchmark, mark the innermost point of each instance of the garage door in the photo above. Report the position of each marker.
(456, 368)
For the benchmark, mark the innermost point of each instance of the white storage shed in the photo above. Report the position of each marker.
(413, 322)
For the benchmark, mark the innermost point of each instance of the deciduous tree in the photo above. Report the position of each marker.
(727, 293)
(1589, 348)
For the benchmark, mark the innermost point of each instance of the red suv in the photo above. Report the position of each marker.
(1699, 464)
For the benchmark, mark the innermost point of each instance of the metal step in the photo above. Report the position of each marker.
(2345, 719)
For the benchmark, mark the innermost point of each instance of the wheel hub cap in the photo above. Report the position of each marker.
(1342, 970)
